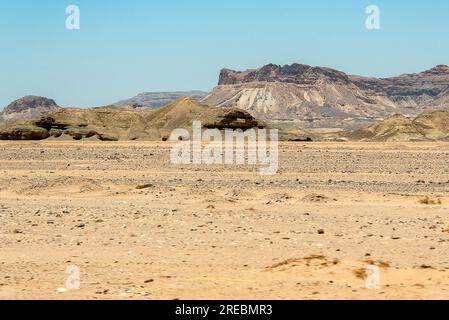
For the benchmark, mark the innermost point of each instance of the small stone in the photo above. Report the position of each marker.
(145, 186)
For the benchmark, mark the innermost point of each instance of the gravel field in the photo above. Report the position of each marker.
(138, 227)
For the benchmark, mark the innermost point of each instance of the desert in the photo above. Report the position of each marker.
(150, 202)
(138, 227)
(224, 158)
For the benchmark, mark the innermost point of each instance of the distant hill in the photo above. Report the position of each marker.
(429, 126)
(317, 97)
(159, 99)
(27, 108)
(119, 123)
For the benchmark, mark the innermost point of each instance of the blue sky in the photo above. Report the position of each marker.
(127, 47)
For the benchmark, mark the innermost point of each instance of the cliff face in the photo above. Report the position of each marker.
(295, 73)
(323, 97)
(409, 90)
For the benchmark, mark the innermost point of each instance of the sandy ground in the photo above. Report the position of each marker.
(223, 232)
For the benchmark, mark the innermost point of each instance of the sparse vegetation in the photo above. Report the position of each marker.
(144, 186)
(323, 262)
(430, 201)
(360, 273)
(380, 264)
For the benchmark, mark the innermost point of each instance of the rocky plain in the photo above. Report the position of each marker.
(138, 227)
(93, 207)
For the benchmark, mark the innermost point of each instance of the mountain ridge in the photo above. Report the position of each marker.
(324, 97)
(159, 99)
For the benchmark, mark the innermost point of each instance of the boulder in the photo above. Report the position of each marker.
(25, 132)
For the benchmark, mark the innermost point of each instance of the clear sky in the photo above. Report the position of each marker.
(129, 46)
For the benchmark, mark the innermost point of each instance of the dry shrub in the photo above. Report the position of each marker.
(361, 273)
(320, 259)
(430, 201)
(379, 263)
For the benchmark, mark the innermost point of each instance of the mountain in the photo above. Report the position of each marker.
(27, 108)
(428, 126)
(314, 97)
(118, 123)
(159, 99)
(442, 100)
(413, 91)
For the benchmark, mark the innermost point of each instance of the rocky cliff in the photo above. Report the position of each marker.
(323, 97)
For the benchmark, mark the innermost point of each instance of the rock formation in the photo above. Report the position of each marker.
(27, 108)
(321, 97)
(117, 123)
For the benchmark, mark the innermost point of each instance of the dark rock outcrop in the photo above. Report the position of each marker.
(24, 132)
(234, 119)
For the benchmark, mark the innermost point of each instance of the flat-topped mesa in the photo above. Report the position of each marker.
(317, 97)
(295, 73)
(440, 69)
